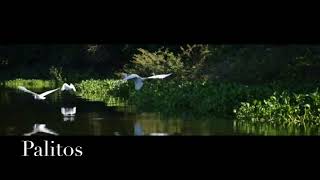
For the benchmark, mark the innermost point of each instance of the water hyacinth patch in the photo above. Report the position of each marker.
(283, 109)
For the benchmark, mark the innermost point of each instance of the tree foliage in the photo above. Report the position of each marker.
(235, 63)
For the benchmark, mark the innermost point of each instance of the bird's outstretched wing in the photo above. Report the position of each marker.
(72, 87)
(138, 83)
(44, 129)
(48, 131)
(64, 86)
(26, 90)
(63, 111)
(30, 134)
(74, 110)
(49, 92)
(132, 76)
(34, 131)
(160, 76)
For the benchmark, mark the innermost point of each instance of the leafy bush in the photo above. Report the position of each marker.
(194, 58)
(56, 74)
(186, 63)
(159, 62)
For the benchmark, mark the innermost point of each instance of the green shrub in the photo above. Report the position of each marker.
(159, 62)
(56, 74)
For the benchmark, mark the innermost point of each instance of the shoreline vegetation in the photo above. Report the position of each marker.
(254, 84)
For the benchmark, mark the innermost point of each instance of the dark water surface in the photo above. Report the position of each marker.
(19, 112)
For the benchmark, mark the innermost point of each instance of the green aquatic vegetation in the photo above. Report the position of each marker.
(268, 129)
(284, 108)
(103, 87)
(112, 92)
(56, 74)
(198, 97)
(108, 100)
(30, 83)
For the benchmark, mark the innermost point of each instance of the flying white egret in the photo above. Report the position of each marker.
(138, 81)
(41, 128)
(67, 87)
(35, 95)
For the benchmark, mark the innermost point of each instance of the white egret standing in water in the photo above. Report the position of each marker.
(41, 128)
(138, 81)
(67, 87)
(35, 95)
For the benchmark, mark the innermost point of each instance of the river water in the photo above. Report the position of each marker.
(66, 114)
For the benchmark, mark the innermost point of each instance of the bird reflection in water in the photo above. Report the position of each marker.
(11, 131)
(138, 130)
(68, 113)
(116, 133)
(95, 124)
(158, 134)
(41, 129)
